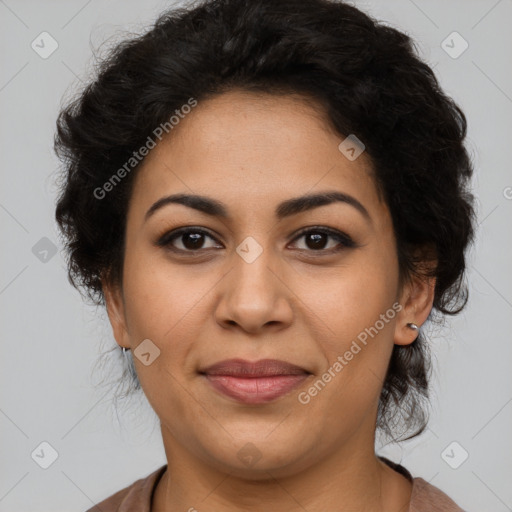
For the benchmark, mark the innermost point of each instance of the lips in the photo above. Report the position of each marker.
(254, 382)
(247, 369)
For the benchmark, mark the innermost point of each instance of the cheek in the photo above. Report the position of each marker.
(358, 307)
(353, 299)
(160, 299)
(162, 305)
(170, 307)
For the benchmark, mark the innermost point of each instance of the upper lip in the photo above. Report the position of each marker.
(261, 368)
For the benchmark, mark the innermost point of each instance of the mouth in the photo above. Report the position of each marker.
(254, 382)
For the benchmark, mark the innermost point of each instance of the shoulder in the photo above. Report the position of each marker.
(424, 496)
(428, 498)
(135, 497)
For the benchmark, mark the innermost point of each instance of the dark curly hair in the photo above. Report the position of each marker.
(368, 80)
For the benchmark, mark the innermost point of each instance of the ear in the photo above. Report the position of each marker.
(417, 297)
(114, 302)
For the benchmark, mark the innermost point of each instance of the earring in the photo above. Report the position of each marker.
(412, 326)
(124, 351)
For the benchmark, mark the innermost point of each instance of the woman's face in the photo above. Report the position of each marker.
(249, 285)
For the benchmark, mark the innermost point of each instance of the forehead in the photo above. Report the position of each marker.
(255, 150)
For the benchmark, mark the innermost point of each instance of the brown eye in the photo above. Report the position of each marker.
(186, 240)
(193, 241)
(317, 240)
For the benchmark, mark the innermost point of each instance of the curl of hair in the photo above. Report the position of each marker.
(367, 79)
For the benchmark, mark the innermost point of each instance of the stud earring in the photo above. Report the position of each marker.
(412, 326)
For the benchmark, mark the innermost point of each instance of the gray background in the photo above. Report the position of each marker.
(51, 339)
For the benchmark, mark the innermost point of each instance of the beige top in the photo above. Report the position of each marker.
(137, 496)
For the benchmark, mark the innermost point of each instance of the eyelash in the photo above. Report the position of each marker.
(344, 240)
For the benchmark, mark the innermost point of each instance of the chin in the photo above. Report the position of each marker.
(261, 458)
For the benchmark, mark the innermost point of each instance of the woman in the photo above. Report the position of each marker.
(270, 199)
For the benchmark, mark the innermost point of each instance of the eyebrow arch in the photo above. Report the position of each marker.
(287, 208)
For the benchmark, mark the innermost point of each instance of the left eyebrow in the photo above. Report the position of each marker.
(310, 201)
(287, 208)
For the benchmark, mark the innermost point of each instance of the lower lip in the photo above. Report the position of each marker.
(255, 390)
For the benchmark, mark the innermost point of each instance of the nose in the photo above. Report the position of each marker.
(255, 296)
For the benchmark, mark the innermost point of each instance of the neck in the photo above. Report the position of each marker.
(348, 479)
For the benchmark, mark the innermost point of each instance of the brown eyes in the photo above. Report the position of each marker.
(193, 240)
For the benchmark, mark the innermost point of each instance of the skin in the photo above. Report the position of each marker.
(295, 303)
